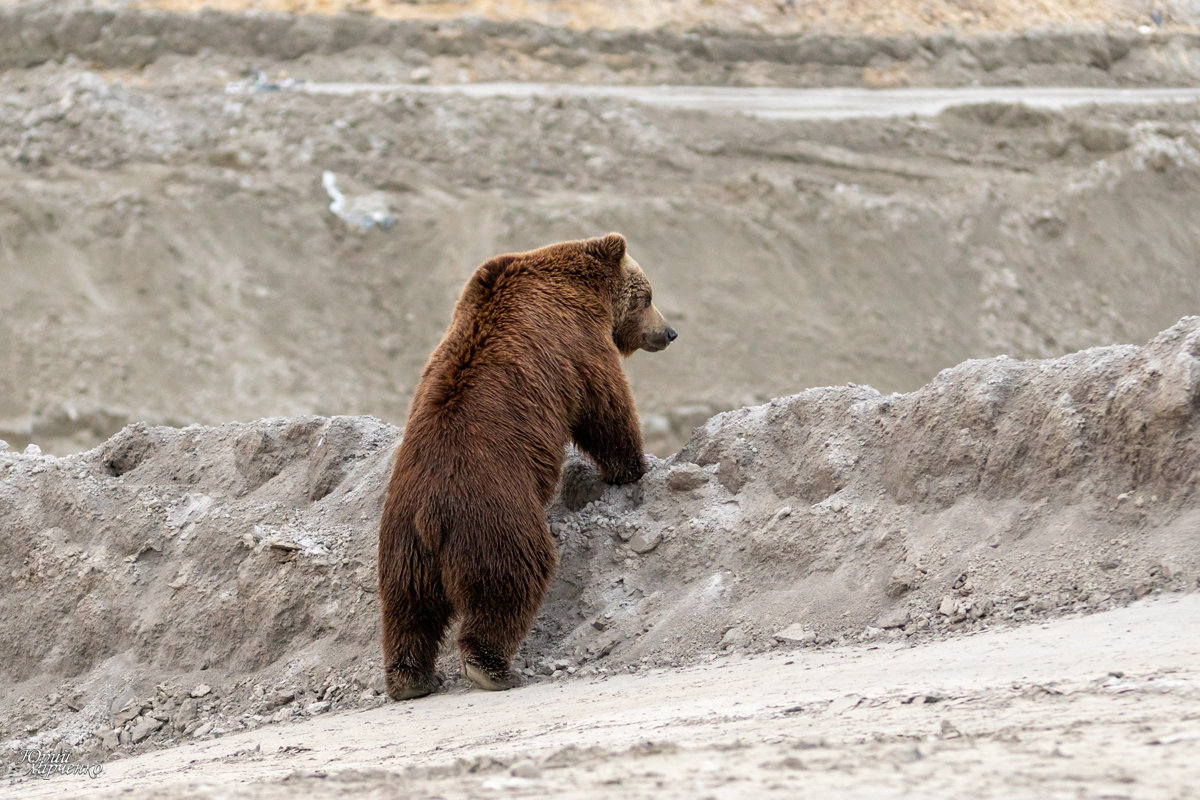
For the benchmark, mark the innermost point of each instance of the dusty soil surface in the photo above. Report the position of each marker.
(215, 580)
(1106, 705)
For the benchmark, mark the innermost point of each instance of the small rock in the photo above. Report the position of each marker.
(1058, 143)
(904, 577)
(110, 739)
(131, 710)
(735, 637)
(1100, 138)
(980, 607)
(525, 769)
(201, 690)
(730, 475)
(144, 727)
(186, 713)
(202, 731)
(949, 731)
(782, 513)
(279, 697)
(947, 606)
(645, 542)
(421, 75)
(796, 634)
(319, 707)
(896, 618)
(32, 449)
(683, 477)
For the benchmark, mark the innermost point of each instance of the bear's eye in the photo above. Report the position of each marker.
(647, 303)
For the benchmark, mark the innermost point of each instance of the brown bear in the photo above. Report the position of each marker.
(531, 361)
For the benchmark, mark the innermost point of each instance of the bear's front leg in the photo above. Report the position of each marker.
(608, 429)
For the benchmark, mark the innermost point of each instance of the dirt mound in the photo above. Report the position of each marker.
(194, 581)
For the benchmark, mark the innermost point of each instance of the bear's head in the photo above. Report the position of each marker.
(637, 323)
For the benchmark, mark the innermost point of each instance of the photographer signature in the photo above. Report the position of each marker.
(44, 763)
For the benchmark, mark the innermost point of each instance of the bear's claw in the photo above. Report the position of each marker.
(400, 689)
(493, 683)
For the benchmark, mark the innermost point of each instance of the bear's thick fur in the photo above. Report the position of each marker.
(531, 361)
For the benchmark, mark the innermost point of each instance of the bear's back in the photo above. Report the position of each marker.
(500, 393)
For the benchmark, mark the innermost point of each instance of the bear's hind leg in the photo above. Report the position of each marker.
(498, 597)
(415, 615)
(487, 670)
(411, 644)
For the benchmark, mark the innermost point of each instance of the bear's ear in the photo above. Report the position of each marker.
(610, 249)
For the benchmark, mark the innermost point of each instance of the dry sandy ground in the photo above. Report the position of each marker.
(1106, 705)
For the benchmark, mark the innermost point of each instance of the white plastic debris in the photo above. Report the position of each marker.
(364, 212)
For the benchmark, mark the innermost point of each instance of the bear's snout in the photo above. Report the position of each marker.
(659, 339)
(657, 333)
